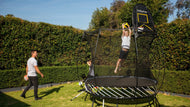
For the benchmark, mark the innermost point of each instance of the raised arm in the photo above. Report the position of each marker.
(130, 31)
(123, 30)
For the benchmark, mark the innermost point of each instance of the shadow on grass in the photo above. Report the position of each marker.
(48, 92)
(6, 101)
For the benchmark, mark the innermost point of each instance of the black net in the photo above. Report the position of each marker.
(107, 53)
(135, 70)
(138, 73)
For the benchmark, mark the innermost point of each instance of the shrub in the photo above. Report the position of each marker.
(176, 82)
(175, 39)
(54, 74)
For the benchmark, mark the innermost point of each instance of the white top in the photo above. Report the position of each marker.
(31, 69)
(91, 70)
(125, 42)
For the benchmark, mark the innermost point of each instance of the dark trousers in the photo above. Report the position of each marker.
(33, 81)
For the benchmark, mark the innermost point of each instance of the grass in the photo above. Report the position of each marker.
(60, 96)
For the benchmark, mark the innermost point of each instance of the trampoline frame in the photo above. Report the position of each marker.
(119, 92)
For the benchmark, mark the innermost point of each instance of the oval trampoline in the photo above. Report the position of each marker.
(121, 87)
(137, 76)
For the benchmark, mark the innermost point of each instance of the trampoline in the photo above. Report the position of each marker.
(135, 80)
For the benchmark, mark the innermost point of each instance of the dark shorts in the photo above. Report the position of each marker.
(123, 54)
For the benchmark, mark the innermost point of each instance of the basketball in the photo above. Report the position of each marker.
(26, 78)
(80, 83)
(126, 25)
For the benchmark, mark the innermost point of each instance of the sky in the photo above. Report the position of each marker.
(76, 13)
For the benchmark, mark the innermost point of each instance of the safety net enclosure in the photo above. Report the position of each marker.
(134, 79)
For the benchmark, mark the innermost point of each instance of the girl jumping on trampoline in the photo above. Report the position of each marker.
(126, 38)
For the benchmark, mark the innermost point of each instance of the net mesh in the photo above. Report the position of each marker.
(105, 50)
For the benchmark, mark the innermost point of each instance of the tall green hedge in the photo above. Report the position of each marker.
(54, 74)
(176, 82)
(56, 45)
(175, 38)
(60, 45)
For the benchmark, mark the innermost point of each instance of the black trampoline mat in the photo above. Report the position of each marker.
(120, 81)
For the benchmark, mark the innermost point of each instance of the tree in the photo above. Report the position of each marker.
(100, 18)
(183, 8)
(115, 20)
(121, 12)
(158, 8)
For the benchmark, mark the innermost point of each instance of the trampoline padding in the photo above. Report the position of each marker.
(120, 81)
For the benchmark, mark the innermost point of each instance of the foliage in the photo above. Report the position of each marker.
(54, 74)
(176, 82)
(56, 45)
(183, 9)
(121, 12)
(100, 18)
(175, 44)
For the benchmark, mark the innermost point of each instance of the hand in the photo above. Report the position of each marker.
(123, 26)
(42, 75)
(89, 63)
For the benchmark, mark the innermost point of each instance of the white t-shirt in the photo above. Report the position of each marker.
(125, 42)
(31, 69)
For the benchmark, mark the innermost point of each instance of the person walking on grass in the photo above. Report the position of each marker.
(31, 70)
(126, 38)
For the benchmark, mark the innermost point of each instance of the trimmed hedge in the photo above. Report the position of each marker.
(55, 74)
(176, 82)
(56, 45)
(175, 38)
(59, 45)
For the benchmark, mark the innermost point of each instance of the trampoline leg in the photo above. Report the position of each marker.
(77, 95)
(93, 102)
(117, 104)
(86, 97)
(103, 103)
(149, 104)
(157, 103)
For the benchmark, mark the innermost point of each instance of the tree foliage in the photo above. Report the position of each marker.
(121, 12)
(183, 8)
(100, 18)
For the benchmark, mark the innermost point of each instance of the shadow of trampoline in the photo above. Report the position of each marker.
(7, 101)
(48, 92)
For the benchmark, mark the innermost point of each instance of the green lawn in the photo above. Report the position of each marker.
(60, 96)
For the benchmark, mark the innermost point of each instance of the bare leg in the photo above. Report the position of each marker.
(118, 63)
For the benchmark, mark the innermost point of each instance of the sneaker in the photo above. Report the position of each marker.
(38, 98)
(23, 96)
